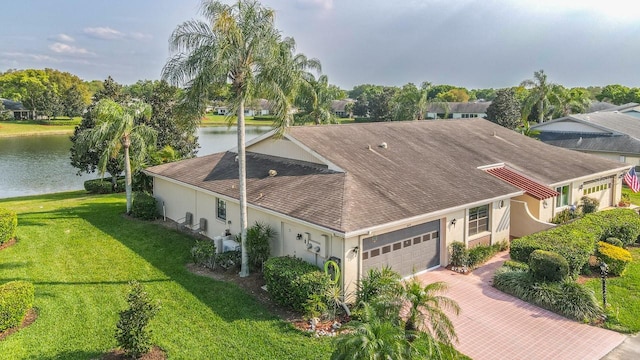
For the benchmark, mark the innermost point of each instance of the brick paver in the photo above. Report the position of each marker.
(493, 325)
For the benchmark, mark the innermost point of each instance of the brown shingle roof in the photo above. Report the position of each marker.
(427, 166)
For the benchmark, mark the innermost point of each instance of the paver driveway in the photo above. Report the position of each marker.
(493, 325)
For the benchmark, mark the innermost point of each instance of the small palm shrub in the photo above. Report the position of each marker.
(8, 225)
(259, 238)
(132, 333)
(378, 282)
(144, 206)
(589, 205)
(16, 298)
(548, 266)
(459, 254)
(615, 257)
(203, 253)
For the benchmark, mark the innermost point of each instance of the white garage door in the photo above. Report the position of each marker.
(406, 251)
(601, 190)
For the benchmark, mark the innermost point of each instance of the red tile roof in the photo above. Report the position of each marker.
(529, 186)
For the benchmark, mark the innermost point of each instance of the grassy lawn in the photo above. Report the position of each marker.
(622, 296)
(634, 197)
(80, 253)
(30, 127)
(221, 120)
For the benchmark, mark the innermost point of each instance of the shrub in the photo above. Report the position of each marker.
(459, 254)
(480, 254)
(589, 205)
(376, 283)
(564, 216)
(625, 200)
(291, 281)
(229, 259)
(132, 334)
(623, 224)
(548, 266)
(614, 241)
(566, 298)
(204, 253)
(104, 186)
(144, 206)
(259, 238)
(16, 298)
(8, 225)
(615, 257)
(516, 265)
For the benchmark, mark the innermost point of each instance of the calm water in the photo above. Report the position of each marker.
(34, 165)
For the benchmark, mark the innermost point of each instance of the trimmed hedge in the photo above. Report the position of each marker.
(8, 225)
(576, 241)
(614, 242)
(16, 298)
(104, 186)
(291, 281)
(516, 265)
(144, 206)
(615, 257)
(548, 266)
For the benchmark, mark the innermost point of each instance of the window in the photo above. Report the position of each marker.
(221, 209)
(563, 198)
(478, 219)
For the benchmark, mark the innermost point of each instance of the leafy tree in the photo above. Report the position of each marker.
(132, 334)
(435, 90)
(454, 95)
(380, 107)
(364, 89)
(5, 114)
(569, 101)
(505, 109)
(361, 106)
(116, 129)
(239, 44)
(615, 94)
(483, 94)
(539, 92)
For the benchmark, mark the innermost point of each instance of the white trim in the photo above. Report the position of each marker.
(491, 166)
(420, 218)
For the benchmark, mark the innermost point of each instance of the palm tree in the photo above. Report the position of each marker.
(539, 92)
(116, 129)
(426, 310)
(316, 99)
(238, 44)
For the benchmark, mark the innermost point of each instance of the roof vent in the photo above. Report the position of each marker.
(273, 173)
(383, 145)
(368, 147)
(236, 158)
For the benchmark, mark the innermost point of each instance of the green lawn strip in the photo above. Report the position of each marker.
(30, 127)
(634, 197)
(80, 253)
(622, 296)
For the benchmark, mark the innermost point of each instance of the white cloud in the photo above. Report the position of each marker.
(104, 33)
(324, 4)
(64, 38)
(61, 48)
(36, 57)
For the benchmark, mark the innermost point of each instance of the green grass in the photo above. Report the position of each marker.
(32, 127)
(622, 296)
(634, 197)
(80, 253)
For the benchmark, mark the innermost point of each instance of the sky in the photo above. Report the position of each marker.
(468, 43)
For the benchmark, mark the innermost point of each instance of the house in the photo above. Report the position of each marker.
(339, 107)
(611, 134)
(260, 107)
(458, 110)
(18, 111)
(396, 193)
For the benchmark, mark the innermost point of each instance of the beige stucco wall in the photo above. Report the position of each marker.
(282, 148)
(523, 222)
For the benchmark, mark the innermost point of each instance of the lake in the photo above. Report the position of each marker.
(32, 165)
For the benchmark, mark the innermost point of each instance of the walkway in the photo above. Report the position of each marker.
(494, 325)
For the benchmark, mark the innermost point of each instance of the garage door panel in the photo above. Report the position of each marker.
(406, 251)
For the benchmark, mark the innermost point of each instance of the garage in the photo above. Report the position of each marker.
(601, 190)
(406, 251)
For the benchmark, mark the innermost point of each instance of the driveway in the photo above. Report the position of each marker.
(494, 325)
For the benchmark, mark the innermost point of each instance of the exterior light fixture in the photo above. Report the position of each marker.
(453, 222)
(299, 236)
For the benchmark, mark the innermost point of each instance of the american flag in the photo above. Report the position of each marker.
(632, 180)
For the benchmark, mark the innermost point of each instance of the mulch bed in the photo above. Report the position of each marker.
(155, 354)
(7, 244)
(31, 316)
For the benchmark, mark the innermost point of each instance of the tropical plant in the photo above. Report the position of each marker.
(239, 44)
(539, 92)
(116, 128)
(589, 205)
(427, 310)
(132, 333)
(316, 99)
(259, 238)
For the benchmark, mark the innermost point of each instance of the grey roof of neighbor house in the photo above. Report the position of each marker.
(339, 105)
(479, 107)
(619, 132)
(12, 105)
(426, 167)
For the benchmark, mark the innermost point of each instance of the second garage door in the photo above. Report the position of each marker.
(406, 251)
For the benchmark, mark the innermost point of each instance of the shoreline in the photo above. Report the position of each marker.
(39, 133)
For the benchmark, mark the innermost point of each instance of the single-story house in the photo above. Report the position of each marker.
(18, 110)
(339, 107)
(396, 193)
(458, 110)
(611, 134)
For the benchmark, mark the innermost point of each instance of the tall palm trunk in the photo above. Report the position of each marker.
(242, 176)
(127, 175)
(540, 112)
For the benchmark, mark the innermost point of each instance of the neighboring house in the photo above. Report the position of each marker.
(601, 106)
(259, 107)
(18, 110)
(397, 193)
(339, 107)
(458, 110)
(611, 134)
